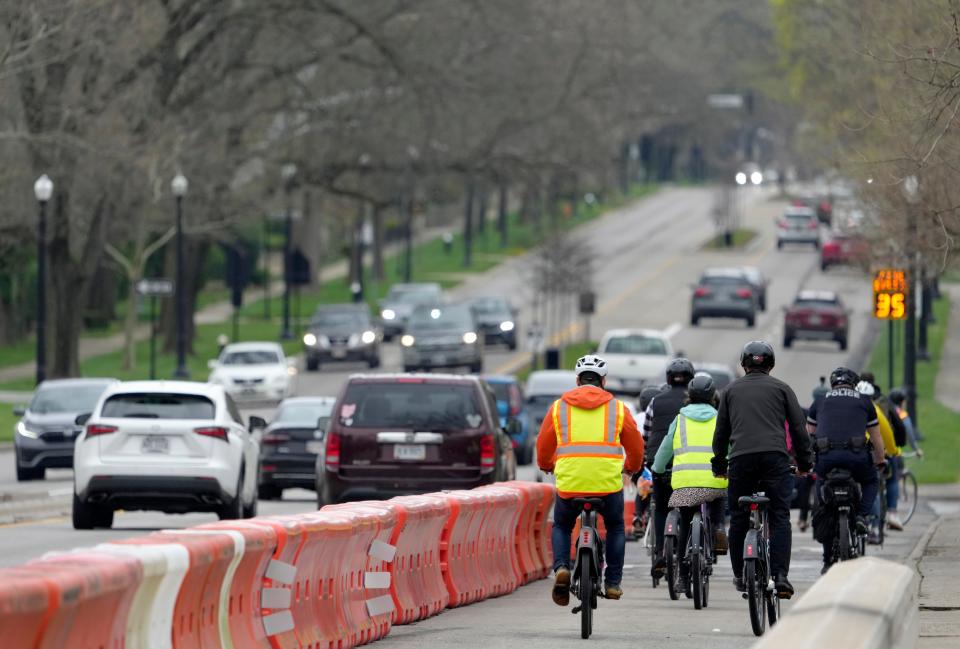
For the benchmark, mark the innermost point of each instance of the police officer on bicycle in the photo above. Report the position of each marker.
(583, 439)
(750, 448)
(838, 421)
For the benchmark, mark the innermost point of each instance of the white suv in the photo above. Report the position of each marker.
(254, 371)
(171, 446)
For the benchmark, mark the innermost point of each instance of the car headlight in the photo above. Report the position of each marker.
(470, 337)
(388, 314)
(26, 432)
(367, 337)
(506, 325)
(291, 371)
(407, 340)
(309, 339)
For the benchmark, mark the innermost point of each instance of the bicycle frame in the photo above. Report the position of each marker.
(589, 546)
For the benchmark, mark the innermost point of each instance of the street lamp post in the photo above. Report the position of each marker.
(42, 190)
(413, 154)
(911, 190)
(287, 172)
(179, 187)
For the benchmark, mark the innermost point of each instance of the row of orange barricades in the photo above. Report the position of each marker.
(332, 579)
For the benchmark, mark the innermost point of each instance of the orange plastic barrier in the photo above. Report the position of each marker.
(88, 600)
(543, 526)
(460, 546)
(369, 601)
(500, 529)
(417, 579)
(526, 539)
(24, 600)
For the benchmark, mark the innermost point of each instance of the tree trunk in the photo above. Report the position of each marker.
(482, 210)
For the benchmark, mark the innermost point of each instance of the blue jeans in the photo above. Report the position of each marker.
(565, 517)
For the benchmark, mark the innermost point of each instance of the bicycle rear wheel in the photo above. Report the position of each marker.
(586, 600)
(843, 538)
(673, 566)
(697, 567)
(908, 495)
(755, 596)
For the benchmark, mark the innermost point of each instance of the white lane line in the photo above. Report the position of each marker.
(672, 330)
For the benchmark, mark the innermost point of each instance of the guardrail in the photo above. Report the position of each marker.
(867, 603)
(339, 577)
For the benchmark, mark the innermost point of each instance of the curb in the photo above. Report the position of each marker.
(32, 508)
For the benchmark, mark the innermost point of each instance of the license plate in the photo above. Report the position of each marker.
(314, 447)
(409, 452)
(339, 353)
(248, 391)
(155, 444)
(814, 319)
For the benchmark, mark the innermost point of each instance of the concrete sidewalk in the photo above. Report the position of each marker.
(948, 378)
(938, 564)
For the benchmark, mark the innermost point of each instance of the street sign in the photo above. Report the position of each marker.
(890, 294)
(158, 287)
(725, 101)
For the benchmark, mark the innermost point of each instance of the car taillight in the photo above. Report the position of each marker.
(744, 292)
(701, 292)
(100, 429)
(487, 456)
(275, 438)
(332, 455)
(219, 432)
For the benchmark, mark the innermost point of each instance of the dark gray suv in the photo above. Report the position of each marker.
(442, 336)
(342, 333)
(724, 293)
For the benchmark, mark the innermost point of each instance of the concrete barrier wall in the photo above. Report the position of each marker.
(867, 603)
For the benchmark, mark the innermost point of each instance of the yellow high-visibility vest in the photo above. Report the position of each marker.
(589, 455)
(692, 451)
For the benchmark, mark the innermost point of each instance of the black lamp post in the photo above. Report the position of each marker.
(911, 190)
(179, 187)
(287, 172)
(43, 190)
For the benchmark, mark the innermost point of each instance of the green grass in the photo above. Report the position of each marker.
(18, 353)
(938, 423)
(7, 422)
(741, 237)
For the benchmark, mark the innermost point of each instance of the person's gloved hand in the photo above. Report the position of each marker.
(719, 465)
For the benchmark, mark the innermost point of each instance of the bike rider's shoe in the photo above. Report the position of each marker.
(659, 568)
(739, 584)
(894, 522)
(561, 587)
(862, 526)
(613, 591)
(784, 587)
(802, 524)
(720, 544)
(825, 568)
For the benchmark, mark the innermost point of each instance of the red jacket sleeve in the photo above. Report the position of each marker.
(547, 443)
(632, 442)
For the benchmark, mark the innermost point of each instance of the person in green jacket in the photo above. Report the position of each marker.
(689, 444)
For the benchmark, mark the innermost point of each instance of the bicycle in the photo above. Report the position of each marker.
(700, 556)
(588, 567)
(671, 555)
(650, 538)
(761, 593)
(908, 488)
(840, 494)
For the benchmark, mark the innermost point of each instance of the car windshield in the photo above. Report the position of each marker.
(156, 405)
(418, 406)
(302, 414)
(250, 357)
(340, 319)
(414, 295)
(66, 398)
(490, 305)
(636, 344)
(723, 280)
(441, 318)
(815, 304)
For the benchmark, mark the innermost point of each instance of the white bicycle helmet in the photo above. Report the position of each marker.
(866, 388)
(591, 363)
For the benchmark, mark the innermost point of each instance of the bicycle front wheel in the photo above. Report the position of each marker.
(755, 596)
(908, 495)
(673, 566)
(586, 600)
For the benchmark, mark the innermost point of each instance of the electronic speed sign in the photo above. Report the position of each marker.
(890, 294)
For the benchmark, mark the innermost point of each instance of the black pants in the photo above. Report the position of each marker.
(770, 473)
(804, 486)
(661, 495)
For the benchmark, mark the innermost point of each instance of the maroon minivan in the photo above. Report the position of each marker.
(396, 434)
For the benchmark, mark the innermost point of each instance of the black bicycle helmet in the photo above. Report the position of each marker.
(702, 389)
(844, 376)
(680, 371)
(757, 354)
(647, 395)
(897, 396)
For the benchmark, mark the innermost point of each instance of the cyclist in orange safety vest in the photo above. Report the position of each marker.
(582, 440)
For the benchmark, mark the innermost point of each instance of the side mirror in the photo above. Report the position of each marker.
(513, 427)
(19, 411)
(257, 423)
(82, 420)
(212, 364)
(322, 424)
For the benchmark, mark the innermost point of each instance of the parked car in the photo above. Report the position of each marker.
(816, 315)
(759, 283)
(843, 249)
(497, 320)
(442, 336)
(405, 434)
(635, 358)
(44, 437)
(342, 332)
(514, 417)
(723, 375)
(255, 371)
(543, 388)
(400, 302)
(290, 444)
(798, 225)
(723, 293)
(171, 446)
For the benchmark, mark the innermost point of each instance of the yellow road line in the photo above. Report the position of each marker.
(39, 521)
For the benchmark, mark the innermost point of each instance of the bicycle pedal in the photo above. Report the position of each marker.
(576, 609)
(744, 596)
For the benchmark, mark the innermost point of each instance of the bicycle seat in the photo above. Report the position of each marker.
(594, 503)
(755, 499)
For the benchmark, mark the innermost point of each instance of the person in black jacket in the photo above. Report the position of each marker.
(750, 448)
(661, 412)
